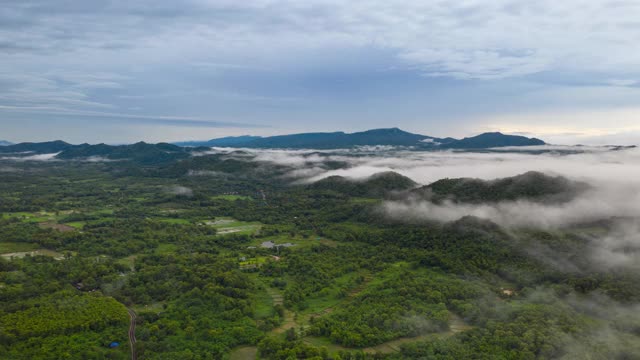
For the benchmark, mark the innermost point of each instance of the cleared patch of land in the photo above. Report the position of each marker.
(156, 307)
(244, 353)
(233, 226)
(45, 252)
(12, 247)
(58, 227)
(232, 197)
(37, 217)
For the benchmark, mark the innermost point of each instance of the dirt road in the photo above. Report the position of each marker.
(132, 334)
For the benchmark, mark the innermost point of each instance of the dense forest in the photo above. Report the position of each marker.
(221, 256)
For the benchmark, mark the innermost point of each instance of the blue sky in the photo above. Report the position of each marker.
(122, 71)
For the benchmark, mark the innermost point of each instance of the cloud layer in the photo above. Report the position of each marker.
(470, 39)
(593, 164)
(612, 174)
(318, 64)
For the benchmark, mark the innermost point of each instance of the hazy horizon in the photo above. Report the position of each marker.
(596, 141)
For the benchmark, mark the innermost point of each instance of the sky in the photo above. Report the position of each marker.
(168, 70)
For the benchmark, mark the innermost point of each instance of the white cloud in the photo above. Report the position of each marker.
(466, 39)
(180, 191)
(92, 56)
(38, 157)
(622, 82)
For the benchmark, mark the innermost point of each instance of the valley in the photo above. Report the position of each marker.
(226, 256)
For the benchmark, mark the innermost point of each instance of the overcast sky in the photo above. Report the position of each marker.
(120, 71)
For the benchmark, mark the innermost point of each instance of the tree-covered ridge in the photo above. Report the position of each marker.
(376, 186)
(139, 152)
(534, 186)
(492, 140)
(162, 152)
(388, 137)
(48, 147)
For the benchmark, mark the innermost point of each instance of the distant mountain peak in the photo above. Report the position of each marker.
(48, 147)
(493, 139)
(232, 141)
(392, 136)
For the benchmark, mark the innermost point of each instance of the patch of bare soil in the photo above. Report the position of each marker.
(58, 227)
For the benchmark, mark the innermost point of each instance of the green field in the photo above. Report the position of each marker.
(174, 221)
(9, 247)
(232, 226)
(31, 217)
(232, 197)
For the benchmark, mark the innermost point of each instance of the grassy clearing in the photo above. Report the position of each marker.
(230, 223)
(244, 353)
(81, 224)
(231, 197)
(56, 226)
(164, 249)
(174, 221)
(328, 299)
(101, 212)
(240, 230)
(264, 304)
(324, 342)
(361, 200)
(233, 226)
(41, 216)
(287, 323)
(255, 261)
(156, 307)
(300, 242)
(12, 247)
(77, 224)
(45, 252)
(128, 261)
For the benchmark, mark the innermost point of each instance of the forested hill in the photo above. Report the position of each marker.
(378, 185)
(333, 140)
(532, 185)
(162, 152)
(391, 136)
(491, 140)
(139, 152)
(225, 141)
(48, 147)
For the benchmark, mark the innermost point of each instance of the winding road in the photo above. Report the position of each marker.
(132, 333)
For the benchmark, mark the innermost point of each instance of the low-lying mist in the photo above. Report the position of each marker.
(612, 176)
(580, 163)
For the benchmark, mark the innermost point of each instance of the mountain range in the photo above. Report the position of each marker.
(145, 153)
(5, 143)
(141, 152)
(391, 136)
